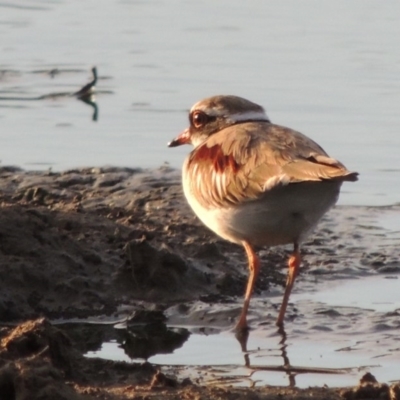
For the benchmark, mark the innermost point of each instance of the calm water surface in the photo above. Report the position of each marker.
(328, 69)
(346, 343)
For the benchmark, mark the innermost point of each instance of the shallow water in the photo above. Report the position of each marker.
(339, 336)
(378, 293)
(329, 70)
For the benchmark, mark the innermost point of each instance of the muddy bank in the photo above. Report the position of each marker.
(108, 243)
(84, 242)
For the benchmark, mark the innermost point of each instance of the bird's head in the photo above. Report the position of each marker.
(215, 113)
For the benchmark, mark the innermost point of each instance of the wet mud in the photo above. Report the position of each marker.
(114, 255)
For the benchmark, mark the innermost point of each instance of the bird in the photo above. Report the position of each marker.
(87, 90)
(255, 183)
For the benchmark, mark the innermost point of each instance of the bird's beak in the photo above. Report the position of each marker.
(182, 138)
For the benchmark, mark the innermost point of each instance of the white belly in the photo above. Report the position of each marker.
(285, 215)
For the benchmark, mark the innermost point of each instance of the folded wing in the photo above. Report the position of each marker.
(244, 162)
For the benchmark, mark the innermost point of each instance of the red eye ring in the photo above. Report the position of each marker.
(199, 119)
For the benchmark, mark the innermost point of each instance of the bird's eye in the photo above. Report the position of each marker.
(199, 119)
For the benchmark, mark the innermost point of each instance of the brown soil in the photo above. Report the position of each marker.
(113, 243)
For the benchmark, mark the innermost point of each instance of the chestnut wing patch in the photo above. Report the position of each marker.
(215, 158)
(215, 176)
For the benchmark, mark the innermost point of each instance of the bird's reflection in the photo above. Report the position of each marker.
(91, 101)
(286, 362)
(290, 370)
(242, 337)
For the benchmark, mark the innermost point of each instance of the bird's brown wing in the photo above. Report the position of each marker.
(242, 162)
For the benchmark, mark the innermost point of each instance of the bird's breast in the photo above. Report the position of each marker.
(284, 215)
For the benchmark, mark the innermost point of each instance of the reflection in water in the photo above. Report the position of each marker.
(144, 341)
(286, 363)
(138, 339)
(85, 94)
(92, 102)
(291, 371)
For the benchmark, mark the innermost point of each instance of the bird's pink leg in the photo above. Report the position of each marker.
(294, 265)
(254, 267)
